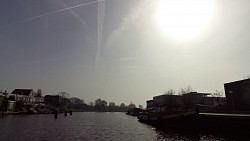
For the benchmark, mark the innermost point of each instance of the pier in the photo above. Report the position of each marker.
(204, 122)
(225, 115)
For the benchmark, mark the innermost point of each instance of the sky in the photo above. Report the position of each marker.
(116, 50)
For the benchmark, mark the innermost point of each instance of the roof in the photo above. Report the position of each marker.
(22, 91)
(239, 81)
(164, 95)
(150, 100)
(195, 93)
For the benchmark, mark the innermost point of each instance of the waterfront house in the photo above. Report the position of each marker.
(24, 95)
(238, 95)
(167, 103)
(37, 99)
(11, 106)
(193, 98)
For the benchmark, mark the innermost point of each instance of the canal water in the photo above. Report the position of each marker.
(90, 126)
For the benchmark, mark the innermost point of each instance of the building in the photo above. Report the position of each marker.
(24, 95)
(238, 95)
(6, 104)
(215, 101)
(150, 104)
(11, 106)
(52, 100)
(38, 100)
(168, 103)
(193, 98)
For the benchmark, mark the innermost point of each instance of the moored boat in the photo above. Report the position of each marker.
(152, 116)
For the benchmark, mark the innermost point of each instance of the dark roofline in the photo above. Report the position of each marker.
(248, 79)
(166, 95)
(198, 93)
(52, 95)
(21, 91)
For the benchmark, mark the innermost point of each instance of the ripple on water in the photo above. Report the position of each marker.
(86, 126)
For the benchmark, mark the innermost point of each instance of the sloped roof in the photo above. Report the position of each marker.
(22, 91)
(239, 81)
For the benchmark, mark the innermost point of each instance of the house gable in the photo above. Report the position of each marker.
(25, 92)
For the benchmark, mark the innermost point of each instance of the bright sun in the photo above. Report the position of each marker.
(184, 19)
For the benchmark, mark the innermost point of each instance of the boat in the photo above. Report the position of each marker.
(149, 116)
(134, 112)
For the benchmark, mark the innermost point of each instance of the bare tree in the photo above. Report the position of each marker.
(75, 100)
(91, 103)
(65, 102)
(100, 102)
(141, 106)
(247, 76)
(131, 106)
(111, 104)
(82, 101)
(122, 105)
(64, 95)
(218, 93)
(39, 93)
(185, 90)
(169, 92)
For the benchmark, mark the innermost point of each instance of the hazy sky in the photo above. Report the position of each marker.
(120, 53)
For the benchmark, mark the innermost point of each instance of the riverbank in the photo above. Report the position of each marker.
(9, 113)
(238, 124)
(74, 111)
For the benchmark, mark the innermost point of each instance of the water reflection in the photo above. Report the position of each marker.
(190, 135)
(97, 126)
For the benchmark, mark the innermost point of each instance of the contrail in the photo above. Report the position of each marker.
(45, 14)
(100, 18)
(74, 14)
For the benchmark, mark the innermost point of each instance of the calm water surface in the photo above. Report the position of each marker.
(86, 126)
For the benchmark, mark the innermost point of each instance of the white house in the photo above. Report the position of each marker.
(24, 95)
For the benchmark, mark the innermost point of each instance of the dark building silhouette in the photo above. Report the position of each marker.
(150, 104)
(53, 100)
(192, 100)
(166, 103)
(238, 95)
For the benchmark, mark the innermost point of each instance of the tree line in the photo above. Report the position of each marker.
(98, 105)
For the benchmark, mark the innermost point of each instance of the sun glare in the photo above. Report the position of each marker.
(184, 19)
